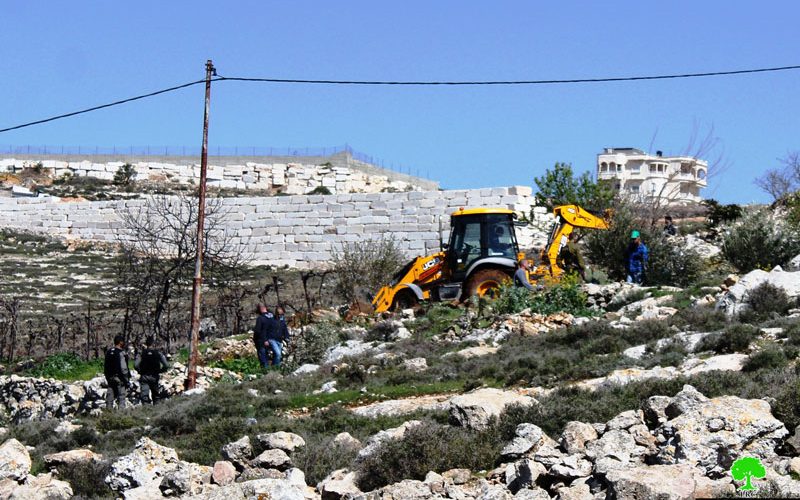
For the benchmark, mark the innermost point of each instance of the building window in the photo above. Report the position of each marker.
(604, 167)
(701, 174)
(634, 188)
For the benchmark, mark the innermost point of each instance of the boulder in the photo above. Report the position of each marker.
(375, 441)
(626, 420)
(686, 400)
(575, 436)
(794, 264)
(271, 488)
(571, 467)
(41, 487)
(273, 459)
(223, 473)
(286, 441)
(516, 448)
(655, 410)
(145, 464)
(410, 489)
(534, 493)
(339, 484)
(238, 452)
(186, 479)
(665, 482)
(70, 458)
(734, 300)
(15, 461)
(415, 364)
(712, 433)
(474, 410)
(577, 492)
(345, 439)
(306, 369)
(457, 476)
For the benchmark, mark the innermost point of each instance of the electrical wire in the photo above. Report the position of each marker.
(408, 83)
(102, 106)
(513, 82)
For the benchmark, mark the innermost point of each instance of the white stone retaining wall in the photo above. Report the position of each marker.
(297, 231)
(276, 175)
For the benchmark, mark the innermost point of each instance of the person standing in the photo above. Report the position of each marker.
(570, 258)
(118, 376)
(150, 364)
(636, 256)
(669, 227)
(278, 332)
(260, 334)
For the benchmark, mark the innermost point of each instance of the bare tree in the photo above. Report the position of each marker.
(784, 180)
(159, 249)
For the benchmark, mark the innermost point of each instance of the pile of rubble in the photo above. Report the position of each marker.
(30, 398)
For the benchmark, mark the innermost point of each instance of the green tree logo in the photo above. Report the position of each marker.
(746, 468)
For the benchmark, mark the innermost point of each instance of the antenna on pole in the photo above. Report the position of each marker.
(191, 376)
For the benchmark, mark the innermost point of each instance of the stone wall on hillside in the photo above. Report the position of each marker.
(339, 173)
(296, 231)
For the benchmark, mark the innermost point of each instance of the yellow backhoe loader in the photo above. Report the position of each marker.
(481, 254)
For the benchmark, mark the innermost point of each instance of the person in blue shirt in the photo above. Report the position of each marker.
(277, 333)
(636, 259)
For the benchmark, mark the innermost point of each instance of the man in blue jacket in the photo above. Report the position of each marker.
(264, 324)
(636, 256)
(277, 333)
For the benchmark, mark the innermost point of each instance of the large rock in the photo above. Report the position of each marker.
(186, 479)
(474, 410)
(238, 452)
(711, 434)
(70, 458)
(734, 300)
(407, 489)
(286, 441)
(273, 459)
(664, 482)
(223, 473)
(375, 441)
(15, 461)
(339, 484)
(523, 474)
(41, 487)
(148, 462)
(575, 436)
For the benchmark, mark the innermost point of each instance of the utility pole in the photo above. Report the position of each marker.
(191, 377)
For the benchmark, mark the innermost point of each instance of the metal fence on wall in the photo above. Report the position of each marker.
(195, 151)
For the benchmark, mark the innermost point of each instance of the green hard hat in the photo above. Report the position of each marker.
(634, 235)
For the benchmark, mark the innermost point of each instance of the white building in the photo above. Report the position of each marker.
(676, 179)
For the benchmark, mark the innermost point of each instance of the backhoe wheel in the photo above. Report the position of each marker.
(486, 283)
(405, 299)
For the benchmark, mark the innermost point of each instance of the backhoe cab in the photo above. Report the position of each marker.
(481, 254)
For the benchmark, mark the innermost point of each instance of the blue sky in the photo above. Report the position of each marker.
(62, 56)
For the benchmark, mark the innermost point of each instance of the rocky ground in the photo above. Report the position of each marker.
(652, 393)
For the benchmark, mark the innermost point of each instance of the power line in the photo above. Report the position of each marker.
(110, 104)
(513, 82)
(410, 83)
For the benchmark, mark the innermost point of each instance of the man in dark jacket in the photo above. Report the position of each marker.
(276, 334)
(264, 323)
(117, 374)
(150, 364)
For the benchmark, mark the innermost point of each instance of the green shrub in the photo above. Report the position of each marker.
(66, 366)
(361, 268)
(321, 456)
(734, 338)
(87, 479)
(768, 358)
(719, 214)
(760, 242)
(671, 353)
(766, 300)
(702, 318)
(124, 175)
(429, 447)
(565, 296)
(320, 190)
(669, 263)
(312, 343)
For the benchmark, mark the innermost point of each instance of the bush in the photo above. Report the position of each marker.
(702, 318)
(312, 343)
(764, 300)
(429, 447)
(669, 263)
(66, 366)
(320, 190)
(87, 479)
(760, 242)
(566, 296)
(735, 338)
(362, 267)
(768, 358)
(124, 175)
(320, 457)
(718, 214)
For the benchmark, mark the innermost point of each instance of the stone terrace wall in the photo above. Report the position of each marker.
(340, 173)
(297, 231)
